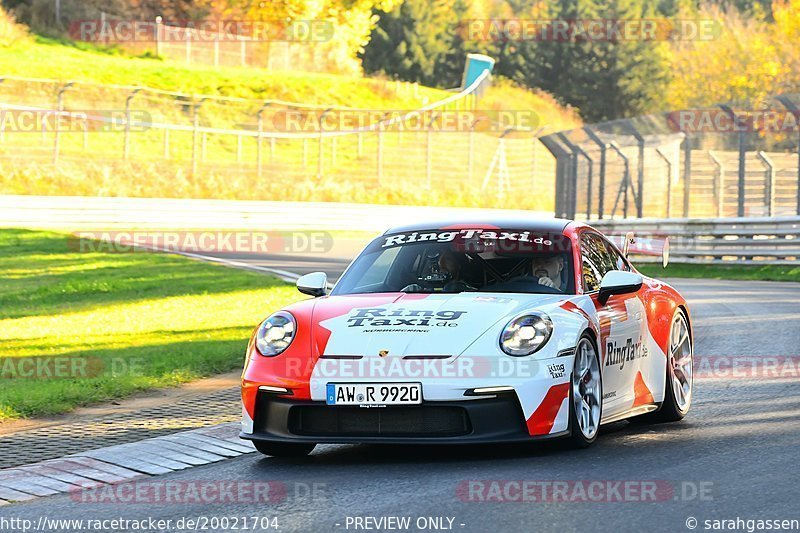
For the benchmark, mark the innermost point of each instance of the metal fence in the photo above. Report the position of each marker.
(724, 161)
(234, 136)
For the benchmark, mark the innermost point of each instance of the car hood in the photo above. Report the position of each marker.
(414, 324)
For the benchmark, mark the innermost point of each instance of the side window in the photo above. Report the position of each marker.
(617, 259)
(596, 260)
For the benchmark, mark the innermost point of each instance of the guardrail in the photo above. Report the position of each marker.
(111, 213)
(764, 240)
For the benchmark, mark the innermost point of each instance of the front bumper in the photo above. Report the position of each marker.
(497, 418)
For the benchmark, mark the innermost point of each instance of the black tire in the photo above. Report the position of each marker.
(669, 411)
(284, 449)
(577, 438)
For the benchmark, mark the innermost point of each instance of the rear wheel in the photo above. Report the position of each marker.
(586, 393)
(284, 449)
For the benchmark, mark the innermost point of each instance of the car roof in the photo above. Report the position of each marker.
(544, 225)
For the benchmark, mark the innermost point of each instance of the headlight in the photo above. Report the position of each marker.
(275, 334)
(526, 334)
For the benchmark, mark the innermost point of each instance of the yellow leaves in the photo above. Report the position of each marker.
(751, 59)
(787, 19)
(10, 31)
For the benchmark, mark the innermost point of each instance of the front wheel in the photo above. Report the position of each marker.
(284, 449)
(586, 393)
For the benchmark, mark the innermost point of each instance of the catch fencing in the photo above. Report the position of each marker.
(723, 161)
(248, 138)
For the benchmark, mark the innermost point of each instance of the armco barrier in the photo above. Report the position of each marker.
(773, 240)
(767, 240)
(98, 213)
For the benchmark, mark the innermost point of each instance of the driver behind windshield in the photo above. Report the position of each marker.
(454, 264)
(547, 270)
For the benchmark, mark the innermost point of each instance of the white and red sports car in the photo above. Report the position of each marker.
(506, 330)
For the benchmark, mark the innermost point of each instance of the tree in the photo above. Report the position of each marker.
(410, 40)
(605, 79)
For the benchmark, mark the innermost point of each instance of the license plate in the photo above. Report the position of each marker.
(374, 394)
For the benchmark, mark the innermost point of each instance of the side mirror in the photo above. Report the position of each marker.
(315, 284)
(618, 282)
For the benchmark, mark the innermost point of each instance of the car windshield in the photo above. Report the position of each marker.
(463, 260)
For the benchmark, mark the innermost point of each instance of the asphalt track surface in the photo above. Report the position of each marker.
(733, 457)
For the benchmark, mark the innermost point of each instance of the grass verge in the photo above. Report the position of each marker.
(743, 272)
(128, 322)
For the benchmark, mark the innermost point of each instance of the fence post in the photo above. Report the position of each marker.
(639, 197)
(188, 45)
(360, 148)
(305, 152)
(428, 155)
(669, 180)
(687, 174)
(471, 153)
(166, 143)
(260, 120)
(626, 180)
(3, 121)
(534, 146)
(588, 181)
(742, 133)
(320, 147)
(770, 188)
(59, 109)
(576, 151)
(158, 35)
(333, 151)
(720, 183)
(203, 147)
(556, 147)
(380, 151)
(126, 142)
(601, 185)
(195, 130)
(788, 104)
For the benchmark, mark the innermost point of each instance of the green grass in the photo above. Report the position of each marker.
(739, 272)
(156, 320)
(94, 165)
(41, 57)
